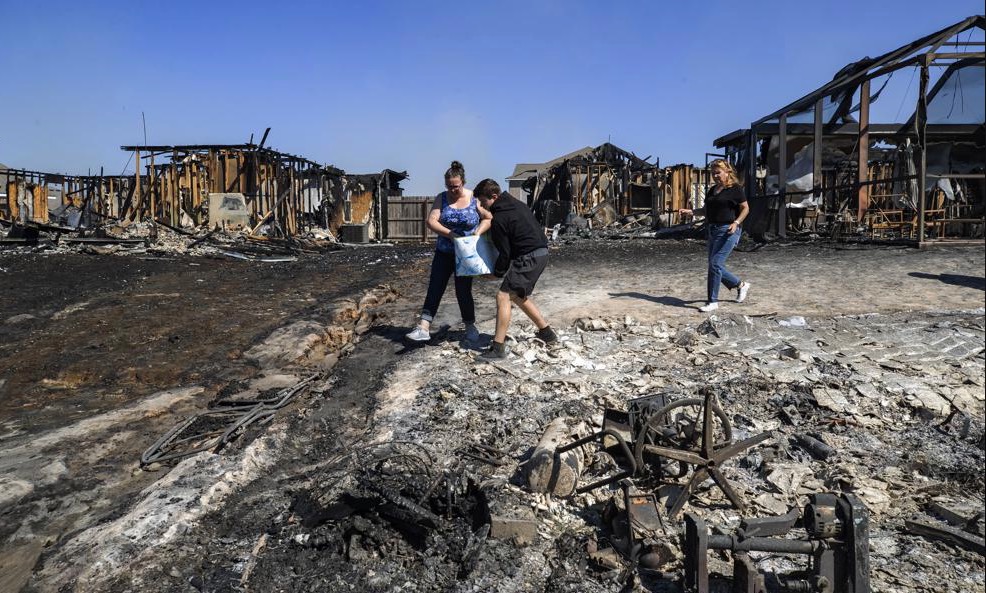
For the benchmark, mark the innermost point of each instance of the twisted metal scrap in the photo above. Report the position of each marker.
(238, 415)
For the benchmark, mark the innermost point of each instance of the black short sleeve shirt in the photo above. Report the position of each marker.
(724, 207)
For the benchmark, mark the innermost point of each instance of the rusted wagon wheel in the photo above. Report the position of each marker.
(678, 425)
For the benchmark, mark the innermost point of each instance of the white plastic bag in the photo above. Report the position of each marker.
(474, 255)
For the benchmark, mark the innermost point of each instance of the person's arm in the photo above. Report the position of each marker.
(744, 209)
(691, 211)
(502, 244)
(432, 221)
(485, 220)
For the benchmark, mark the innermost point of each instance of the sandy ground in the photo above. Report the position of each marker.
(656, 280)
(109, 352)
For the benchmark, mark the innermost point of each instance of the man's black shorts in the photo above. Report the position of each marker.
(524, 272)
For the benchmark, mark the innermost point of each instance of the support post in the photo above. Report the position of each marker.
(758, 220)
(782, 176)
(921, 123)
(102, 193)
(863, 142)
(153, 190)
(425, 210)
(751, 163)
(137, 180)
(816, 154)
(175, 189)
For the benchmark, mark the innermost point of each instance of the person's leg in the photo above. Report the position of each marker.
(544, 333)
(729, 280)
(716, 239)
(442, 267)
(530, 309)
(463, 294)
(503, 304)
(467, 307)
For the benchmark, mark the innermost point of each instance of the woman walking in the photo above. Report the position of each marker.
(725, 209)
(455, 213)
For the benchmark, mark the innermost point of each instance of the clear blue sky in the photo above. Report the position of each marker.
(412, 85)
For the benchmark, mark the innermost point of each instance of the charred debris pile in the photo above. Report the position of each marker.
(841, 455)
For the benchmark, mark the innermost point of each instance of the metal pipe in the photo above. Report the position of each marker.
(763, 544)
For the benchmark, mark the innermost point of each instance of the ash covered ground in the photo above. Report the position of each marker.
(404, 469)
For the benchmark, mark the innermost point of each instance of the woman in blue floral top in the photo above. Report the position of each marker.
(455, 213)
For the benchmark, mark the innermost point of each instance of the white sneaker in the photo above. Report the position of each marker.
(708, 308)
(472, 334)
(744, 288)
(419, 334)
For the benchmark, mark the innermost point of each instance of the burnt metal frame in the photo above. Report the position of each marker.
(837, 540)
(239, 414)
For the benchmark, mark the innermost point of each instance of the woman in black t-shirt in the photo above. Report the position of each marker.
(725, 208)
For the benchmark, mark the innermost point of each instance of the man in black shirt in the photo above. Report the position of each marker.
(523, 255)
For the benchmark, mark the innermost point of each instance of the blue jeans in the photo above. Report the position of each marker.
(721, 244)
(443, 267)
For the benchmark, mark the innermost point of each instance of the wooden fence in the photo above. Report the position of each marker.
(406, 218)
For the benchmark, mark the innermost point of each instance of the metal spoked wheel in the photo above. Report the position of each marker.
(678, 425)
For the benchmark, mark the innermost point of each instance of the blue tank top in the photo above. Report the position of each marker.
(460, 220)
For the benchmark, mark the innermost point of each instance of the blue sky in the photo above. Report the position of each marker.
(412, 85)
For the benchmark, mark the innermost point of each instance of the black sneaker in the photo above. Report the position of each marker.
(497, 351)
(547, 335)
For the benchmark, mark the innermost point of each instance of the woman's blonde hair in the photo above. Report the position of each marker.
(732, 176)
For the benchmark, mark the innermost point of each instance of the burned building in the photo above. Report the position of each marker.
(236, 186)
(43, 198)
(364, 211)
(838, 162)
(588, 181)
(246, 187)
(262, 190)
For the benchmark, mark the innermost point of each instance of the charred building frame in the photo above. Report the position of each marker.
(820, 164)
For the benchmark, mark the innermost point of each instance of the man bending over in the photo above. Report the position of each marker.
(523, 255)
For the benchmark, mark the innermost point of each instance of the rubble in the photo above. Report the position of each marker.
(407, 468)
(829, 451)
